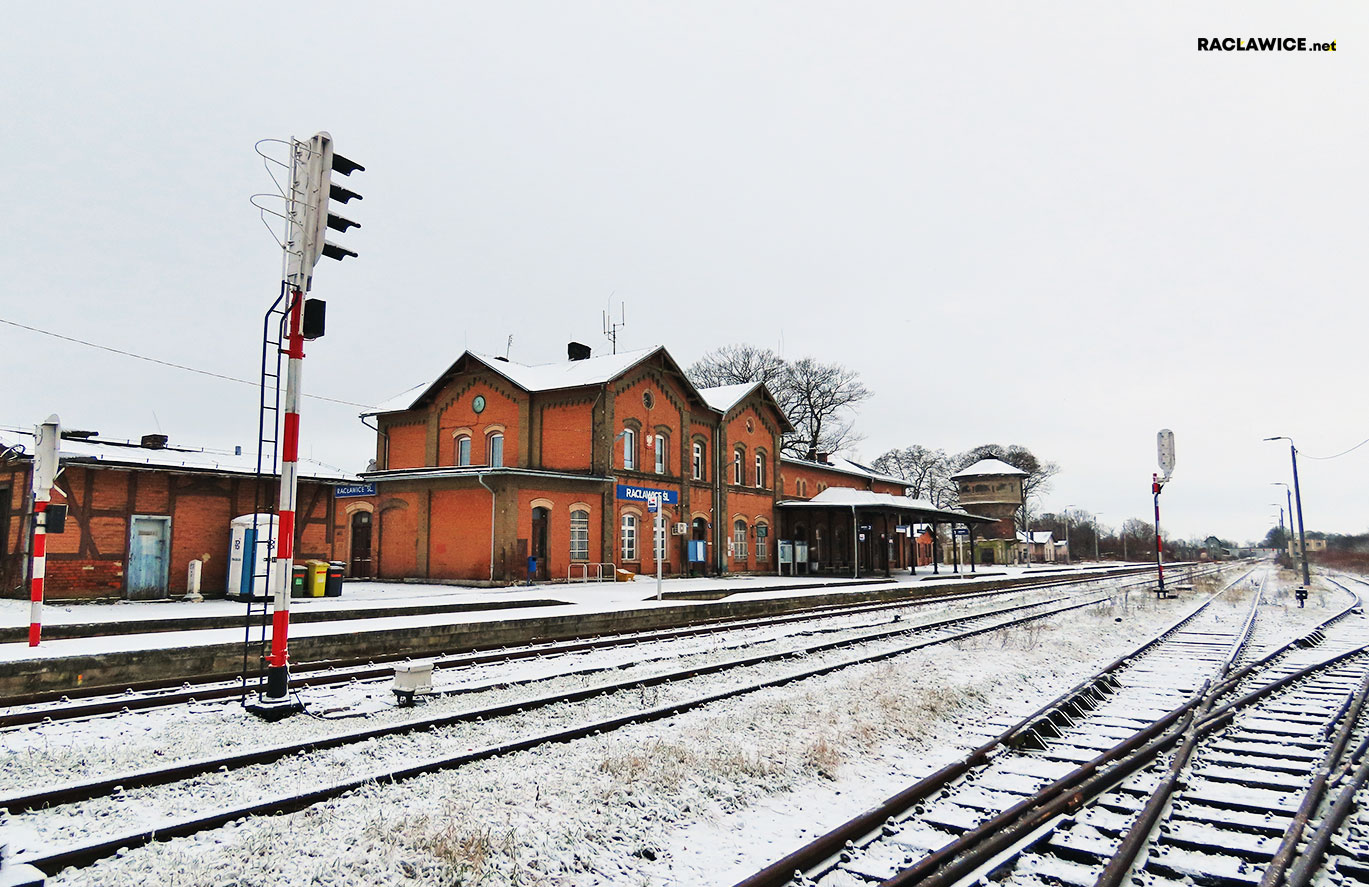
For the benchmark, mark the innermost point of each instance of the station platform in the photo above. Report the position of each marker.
(112, 645)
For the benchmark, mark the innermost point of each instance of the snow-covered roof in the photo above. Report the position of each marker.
(844, 466)
(724, 397)
(989, 467)
(532, 377)
(1039, 537)
(107, 451)
(846, 497)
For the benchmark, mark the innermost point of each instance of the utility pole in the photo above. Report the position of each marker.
(1297, 496)
(308, 217)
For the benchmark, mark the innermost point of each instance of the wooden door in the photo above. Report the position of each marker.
(148, 549)
(360, 555)
(541, 531)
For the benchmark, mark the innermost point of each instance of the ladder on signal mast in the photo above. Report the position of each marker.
(260, 549)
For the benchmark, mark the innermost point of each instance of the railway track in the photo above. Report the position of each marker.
(419, 745)
(1194, 760)
(36, 710)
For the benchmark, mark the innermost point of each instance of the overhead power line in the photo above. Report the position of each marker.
(1338, 455)
(165, 363)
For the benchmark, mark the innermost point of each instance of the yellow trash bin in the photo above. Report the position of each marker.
(317, 582)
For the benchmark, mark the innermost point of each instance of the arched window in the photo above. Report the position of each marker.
(739, 466)
(463, 450)
(628, 538)
(494, 448)
(579, 535)
(739, 539)
(661, 454)
(762, 541)
(699, 460)
(760, 470)
(629, 449)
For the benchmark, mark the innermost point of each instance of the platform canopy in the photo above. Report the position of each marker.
(867, 500)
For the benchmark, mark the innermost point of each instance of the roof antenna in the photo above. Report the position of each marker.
(508, 346)
(611, 326)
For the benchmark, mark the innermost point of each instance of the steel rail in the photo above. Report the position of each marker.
(977, 848)
(73, 793)
(1348, 719)
(863, 827)
(307, 673)
(980, 846)
(1138, 835)
(85, 855)
(1351, 780)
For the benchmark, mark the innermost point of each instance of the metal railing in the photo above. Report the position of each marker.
(591, 573)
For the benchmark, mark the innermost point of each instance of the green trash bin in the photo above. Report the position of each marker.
(335, 573)
(299, 581)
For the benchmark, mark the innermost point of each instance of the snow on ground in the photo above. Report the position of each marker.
(577, 598)
(703, 798)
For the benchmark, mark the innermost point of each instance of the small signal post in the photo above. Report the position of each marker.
(1165, 451)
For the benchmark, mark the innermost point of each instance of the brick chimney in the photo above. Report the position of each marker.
(153, 441)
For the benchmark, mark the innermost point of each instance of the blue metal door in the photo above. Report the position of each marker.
(148, 548)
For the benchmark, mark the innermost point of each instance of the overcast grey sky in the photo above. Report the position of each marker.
(1056, 224)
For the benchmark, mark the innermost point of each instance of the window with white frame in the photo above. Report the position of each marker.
(739, 539)
(760, 468)
(762, 537)
(579, 535)
(628, 538)
(495, 449)
(698, 460)
(629, 449)
(662, 461)
(463, 450)
(739, 466)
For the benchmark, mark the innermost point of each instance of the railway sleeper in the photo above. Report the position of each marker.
(1262, 823)
(1203, 869)
(1209, 836)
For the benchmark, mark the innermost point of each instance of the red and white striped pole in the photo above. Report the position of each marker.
(38, 571)
(46, 464)
(278, 662)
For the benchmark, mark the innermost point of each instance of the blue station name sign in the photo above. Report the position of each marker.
(646, 494)
(350, 490)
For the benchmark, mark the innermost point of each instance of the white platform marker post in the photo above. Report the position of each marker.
(45, 459)
(657, 537)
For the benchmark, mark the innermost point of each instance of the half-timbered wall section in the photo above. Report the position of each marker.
(187, 510)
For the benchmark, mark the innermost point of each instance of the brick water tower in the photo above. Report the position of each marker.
(993, 488)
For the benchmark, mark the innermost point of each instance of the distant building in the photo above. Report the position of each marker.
(993, 488)
(139, 512)
(1313, 545)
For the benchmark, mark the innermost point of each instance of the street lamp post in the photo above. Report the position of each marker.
(1096, 515)
(1282, 538)
(1297, 495)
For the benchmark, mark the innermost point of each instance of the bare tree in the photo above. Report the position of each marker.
(1039, 473)
(817, 398)
(927, 473)
(824, 396)
(735, 364)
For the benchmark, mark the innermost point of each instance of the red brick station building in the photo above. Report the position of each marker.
(487, 467)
